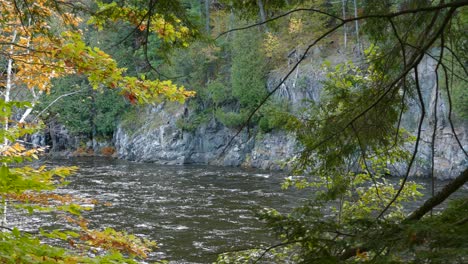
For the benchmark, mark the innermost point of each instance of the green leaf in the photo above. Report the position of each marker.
(15, 232)
(4, 171)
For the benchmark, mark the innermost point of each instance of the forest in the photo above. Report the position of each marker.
(360, 106)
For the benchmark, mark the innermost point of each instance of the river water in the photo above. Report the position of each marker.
(193, 212)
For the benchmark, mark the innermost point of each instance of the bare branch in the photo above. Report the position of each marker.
(278, 17)
(363, 155)
(273, 247)
(414, 61)
(149, 15)
(403, 51)
(265, 99)
(450, 110)
(455, 5)
(134, 30)
(434, 131)
(462, 65)
(415, 151)
(436, 58)
(53, 102)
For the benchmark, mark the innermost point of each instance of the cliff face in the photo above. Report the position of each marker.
(159, 140)
(166, 144)
(449, 159)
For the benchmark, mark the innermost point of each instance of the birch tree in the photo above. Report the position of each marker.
(40, 41)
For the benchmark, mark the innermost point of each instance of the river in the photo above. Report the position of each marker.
(193, 212)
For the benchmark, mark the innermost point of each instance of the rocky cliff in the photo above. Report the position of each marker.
(166, 144)
(157, 138)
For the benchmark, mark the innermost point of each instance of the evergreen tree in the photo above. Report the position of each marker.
(354, 135)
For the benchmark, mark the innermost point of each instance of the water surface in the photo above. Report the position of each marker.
(193, 212)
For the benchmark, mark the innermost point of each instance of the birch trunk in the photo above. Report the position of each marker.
(207, 17)
(35, 95)
(343, 2)
(357, 29)
(9, 85)
(9, 81)
(262, 13)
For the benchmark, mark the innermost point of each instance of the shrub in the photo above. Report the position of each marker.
(108, 151)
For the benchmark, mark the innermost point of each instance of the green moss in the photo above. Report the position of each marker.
(131, 120)
(191, 124)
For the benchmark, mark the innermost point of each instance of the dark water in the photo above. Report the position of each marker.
(193, 212)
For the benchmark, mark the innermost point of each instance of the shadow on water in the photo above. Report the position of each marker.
(193, 212)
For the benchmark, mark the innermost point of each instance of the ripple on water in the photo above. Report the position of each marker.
(193, 212)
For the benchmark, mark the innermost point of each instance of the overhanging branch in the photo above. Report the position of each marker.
(455, 4)
(439, 197)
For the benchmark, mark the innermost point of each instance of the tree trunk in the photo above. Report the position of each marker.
(35, 95)
(207, 17)
(33, 103)
(231, 18)
(417, 214)
(92, 117)
(8, 86)
(358, 42)
(343, 2)
(439, 197)
(9, 82)
(53, 135)
(262, 13)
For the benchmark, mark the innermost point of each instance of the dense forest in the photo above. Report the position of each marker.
(356, 91)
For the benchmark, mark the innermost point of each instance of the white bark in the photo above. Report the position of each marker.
(343, 2)
(9, 85)
(4, 216)
(9, 82)
(33, 92)
(262, 13)
(56, 99)
(357, 29)
(207, 16)
(295, 78)
(33, 103)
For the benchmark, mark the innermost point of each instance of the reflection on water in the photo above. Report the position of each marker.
(193, 212)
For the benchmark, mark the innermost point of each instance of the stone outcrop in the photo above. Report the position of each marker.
(166, 144)
(449, 159)
(158, 139)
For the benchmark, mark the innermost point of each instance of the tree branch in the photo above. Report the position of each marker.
(273, 247)
(450, 111)
(363, 155)
(434, 131)
(462, 65)
(415, 60)
(455, 4)
(265, 99)
(415, 151)
(278, 17)
(56, 99)
(439, 197)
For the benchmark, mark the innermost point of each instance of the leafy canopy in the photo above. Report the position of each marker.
(41, 41)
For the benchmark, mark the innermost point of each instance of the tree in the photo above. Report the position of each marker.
(74, 110)
(40, 41)
(351, 137)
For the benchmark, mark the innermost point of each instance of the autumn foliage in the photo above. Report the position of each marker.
(41, 40)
